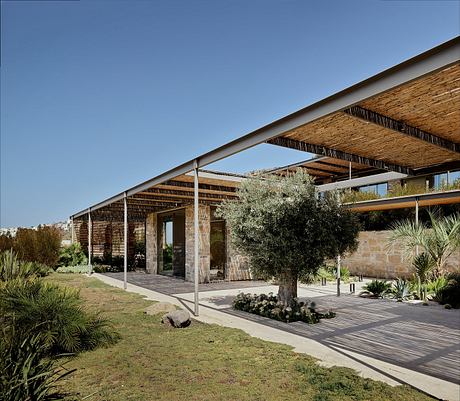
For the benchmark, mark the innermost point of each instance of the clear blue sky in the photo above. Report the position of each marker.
(98, 96)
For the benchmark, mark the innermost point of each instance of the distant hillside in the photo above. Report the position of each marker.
(64, 226)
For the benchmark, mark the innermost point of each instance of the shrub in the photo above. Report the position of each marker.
(6, 242)
(450, 293)
(353, 196)
(11, 267)
(269, 306)
(33, 307)
(376, 288)
(72, 255)
(434, 288)
(407, 189)
(73, 269)
(41, 245)
(329, 272)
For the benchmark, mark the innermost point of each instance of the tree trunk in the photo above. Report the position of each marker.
(287, 288)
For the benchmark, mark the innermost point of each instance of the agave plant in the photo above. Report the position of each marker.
(439, 240)
(376, 288)
(400, 289)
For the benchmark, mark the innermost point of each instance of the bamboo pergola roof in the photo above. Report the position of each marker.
(213, 188)
(405, 119)
(324, 169)
(412, 126)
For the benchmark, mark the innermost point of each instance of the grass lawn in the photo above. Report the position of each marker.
(201, 362)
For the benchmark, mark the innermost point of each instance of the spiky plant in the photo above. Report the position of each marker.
(435, 288)
(400, 289)
(11, 267)
(26, 372)
(439, 239)
(423, 265)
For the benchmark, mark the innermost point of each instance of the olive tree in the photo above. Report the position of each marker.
(286, 230)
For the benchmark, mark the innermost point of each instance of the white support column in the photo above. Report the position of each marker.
(90, 242)
(349, 171)
(196, 269)
(338, 275)
(125, 243)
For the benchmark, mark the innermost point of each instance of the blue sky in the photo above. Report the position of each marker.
(97, 96)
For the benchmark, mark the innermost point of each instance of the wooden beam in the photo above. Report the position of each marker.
(338, 154)
(339, 168)
(401, 127)
(155, 192)
(318, 172)
(186, 184)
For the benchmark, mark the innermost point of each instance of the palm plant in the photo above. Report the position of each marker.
(376, 288)
(438, 241)
(423, 265)
(34, 307)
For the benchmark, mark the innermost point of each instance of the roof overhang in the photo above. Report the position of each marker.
(409, 201)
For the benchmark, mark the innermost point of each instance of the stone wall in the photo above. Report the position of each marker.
(374, 258)
(237, 267)
(151, 244)
(204, 215)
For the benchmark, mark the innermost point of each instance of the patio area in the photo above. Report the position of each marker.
(424, 339)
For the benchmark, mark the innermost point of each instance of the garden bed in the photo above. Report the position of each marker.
(267, 305)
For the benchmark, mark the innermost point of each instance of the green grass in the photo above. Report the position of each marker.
(202, 362)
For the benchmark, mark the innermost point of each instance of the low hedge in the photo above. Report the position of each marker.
(73, 269)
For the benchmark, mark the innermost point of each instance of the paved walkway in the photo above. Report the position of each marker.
(174, 285)
(384, 340)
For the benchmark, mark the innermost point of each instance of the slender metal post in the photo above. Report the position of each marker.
(125, 243)
(72, 230)
(419, 283)
(416, 221)
(349, 171)
(197, 237)
(90, 242)
(338, 275)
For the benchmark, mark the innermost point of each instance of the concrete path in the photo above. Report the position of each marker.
(383, 340)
